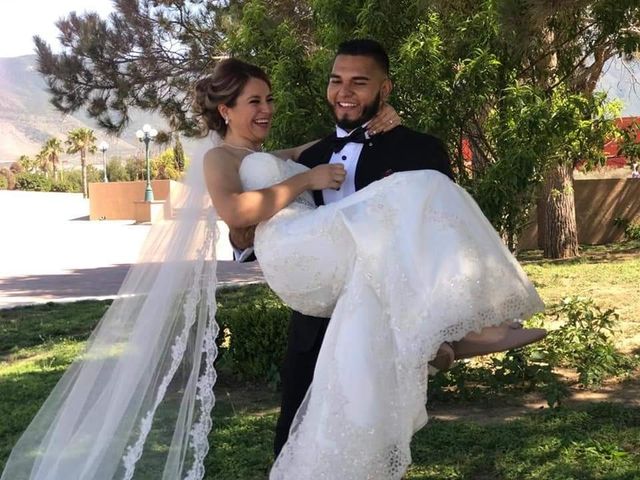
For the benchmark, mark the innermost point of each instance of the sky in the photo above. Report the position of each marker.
(22, 19)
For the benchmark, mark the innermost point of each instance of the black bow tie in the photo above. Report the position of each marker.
(357, 136)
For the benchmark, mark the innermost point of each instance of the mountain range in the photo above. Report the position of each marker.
(27, 119)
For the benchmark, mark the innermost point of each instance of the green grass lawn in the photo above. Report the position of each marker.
(609, 274)
(597, 440)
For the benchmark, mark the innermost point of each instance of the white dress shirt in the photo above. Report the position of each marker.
(348, 156)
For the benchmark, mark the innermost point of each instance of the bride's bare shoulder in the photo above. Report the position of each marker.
(221, 158)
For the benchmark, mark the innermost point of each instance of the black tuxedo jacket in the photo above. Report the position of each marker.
(398, 150)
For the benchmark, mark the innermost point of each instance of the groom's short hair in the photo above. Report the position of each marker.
(367, 48)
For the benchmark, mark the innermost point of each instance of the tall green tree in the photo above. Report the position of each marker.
(178, 154)
(43, 164)
(565, 46)
(50, 152)
(459, 68)
(82, 141)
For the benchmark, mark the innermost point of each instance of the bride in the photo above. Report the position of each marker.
(138, 402)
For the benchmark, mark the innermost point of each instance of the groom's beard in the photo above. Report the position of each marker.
(368, 112)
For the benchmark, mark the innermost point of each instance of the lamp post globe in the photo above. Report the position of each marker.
(146, 135)
(103, 147)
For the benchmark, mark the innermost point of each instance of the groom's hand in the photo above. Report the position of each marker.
(242, 238)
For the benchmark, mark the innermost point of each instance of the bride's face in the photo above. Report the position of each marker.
(357, 88)
(250, 118)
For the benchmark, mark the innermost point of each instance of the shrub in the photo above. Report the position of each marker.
(163, 167)
(17, 167)
(66, 186)
(631, 229)
(94, 175)
(9, 177)
(4, 183)
(73, 178)
(35, 182)
(116, 171)
(583, 342)
(135, 168)
(516, 370)
(257, 338)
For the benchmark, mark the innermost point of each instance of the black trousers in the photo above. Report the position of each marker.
(305, 339)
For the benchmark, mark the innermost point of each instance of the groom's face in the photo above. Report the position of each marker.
(357, 88)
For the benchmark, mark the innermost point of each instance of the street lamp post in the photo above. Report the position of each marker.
(103, 147)
(146, 135)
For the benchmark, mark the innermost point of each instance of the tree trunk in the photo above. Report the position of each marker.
(557, 232)
(541, 216)
(85, 186)
(560, 238)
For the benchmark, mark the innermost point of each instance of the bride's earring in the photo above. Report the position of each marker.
(226, 121)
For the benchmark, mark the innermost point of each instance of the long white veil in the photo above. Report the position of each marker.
(141, 395)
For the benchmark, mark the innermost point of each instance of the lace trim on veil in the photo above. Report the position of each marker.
(200, 430)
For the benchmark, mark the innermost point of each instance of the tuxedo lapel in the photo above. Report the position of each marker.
(372, 162)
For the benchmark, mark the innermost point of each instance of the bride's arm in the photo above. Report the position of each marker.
(242, 209)
(386, 119)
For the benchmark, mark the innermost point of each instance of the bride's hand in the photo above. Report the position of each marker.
(386, 119)
(326, 176)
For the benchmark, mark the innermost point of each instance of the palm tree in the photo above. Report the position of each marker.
(42, 162)
(51, 151)
(27, 163)
(83, 141)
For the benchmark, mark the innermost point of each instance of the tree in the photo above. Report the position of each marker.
(630, 143)
(566, 45)
(51, 153)
(26, 163)
(483, 74)
(82, 141)
(178, 154)
(163, 166)
(147, 54)
(116, 171)
(42, 162)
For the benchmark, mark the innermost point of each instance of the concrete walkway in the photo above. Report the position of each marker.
(51, 252)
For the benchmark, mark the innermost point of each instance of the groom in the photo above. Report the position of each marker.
(358, 85)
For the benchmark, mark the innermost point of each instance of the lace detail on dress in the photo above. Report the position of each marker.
(303, 200)
(401, 266)
(205, 383)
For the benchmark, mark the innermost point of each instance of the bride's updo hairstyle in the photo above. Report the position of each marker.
(222, 87)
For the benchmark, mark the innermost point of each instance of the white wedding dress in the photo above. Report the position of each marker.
(400, 267)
